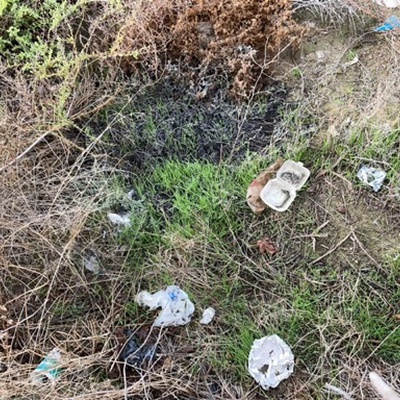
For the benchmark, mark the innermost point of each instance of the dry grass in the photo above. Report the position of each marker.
(56, 195)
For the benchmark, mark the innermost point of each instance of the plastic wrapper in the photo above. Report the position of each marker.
(48, 368)
(270, 361)
(372, 177)
(119, 219)
(176, 307)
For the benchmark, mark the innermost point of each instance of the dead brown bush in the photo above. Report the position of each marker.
(239, 37)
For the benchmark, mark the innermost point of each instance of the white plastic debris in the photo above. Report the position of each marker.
(340, 392)
(354, 61)
(372, 176)
(119, 219)
(388, 3)
(208, 315)
(280, 192)
(177, 309)
(48, 368)
(270, 361)
(382, 388)
(92, 264)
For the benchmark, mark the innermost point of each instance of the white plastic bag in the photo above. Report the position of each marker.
(177, 309)
(270, 361)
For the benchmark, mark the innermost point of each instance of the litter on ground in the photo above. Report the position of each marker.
(340, 392)
(131, 194)
(92, 264)
(382, 388)
(208, 315)
(135, 353)
(270, 361)
(280, 192)
(253, 192)
(177, 309)
(372, 177)
(119, 219)
(49, 368)
(388, 3)
(267, 246)
(390, 24)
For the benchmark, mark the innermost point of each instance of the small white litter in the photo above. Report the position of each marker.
(208, 315)
(92, 264)
(333, 389)
(372, 177)
(270, 361)
(348, 64)
(119, 219)
(388, 3)
(177, 309)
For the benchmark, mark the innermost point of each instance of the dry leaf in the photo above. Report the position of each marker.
(253, 192)
(267, 246)
(397, 317)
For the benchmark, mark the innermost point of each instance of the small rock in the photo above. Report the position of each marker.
(342, 210)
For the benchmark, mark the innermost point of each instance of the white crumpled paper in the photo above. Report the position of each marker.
(208, 315)
(270, 361)
(177, 309)
(371, 176)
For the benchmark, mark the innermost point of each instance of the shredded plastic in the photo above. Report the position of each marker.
(48, 368)
(390, 24)
(270, 361)
(137, 354)
(92, 264)
(177, 309)
(372, 176)
(119, 219)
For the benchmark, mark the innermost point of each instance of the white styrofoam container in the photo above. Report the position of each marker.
(294, 173)
(280, 192)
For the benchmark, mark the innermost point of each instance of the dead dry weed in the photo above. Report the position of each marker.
(240, 38)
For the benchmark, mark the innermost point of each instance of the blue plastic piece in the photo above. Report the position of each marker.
(390, 24)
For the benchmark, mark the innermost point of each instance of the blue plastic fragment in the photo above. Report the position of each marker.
(49, 367)
(390, 24)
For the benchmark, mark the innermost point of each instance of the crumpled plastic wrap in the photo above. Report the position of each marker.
(177, 309)
(48, 368)
(208, 315)
(372, 177)
(270, 361)
(119, 219)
